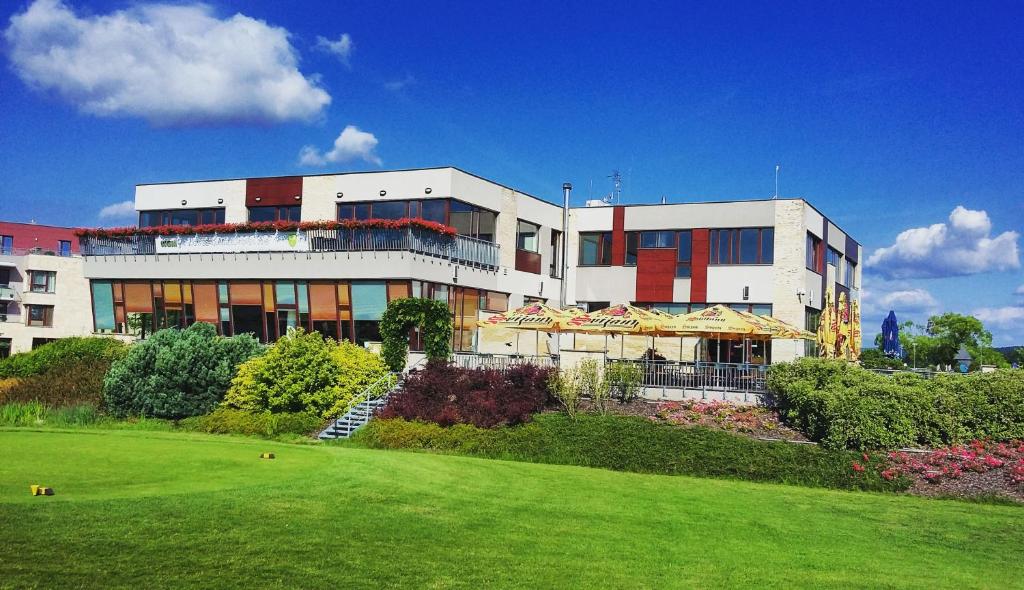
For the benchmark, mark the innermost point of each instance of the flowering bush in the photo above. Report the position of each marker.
(718, 414)
(222, 228)
(953, 462)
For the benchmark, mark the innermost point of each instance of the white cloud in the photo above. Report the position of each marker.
(166, 63)
(352, 144)
(1001, 317)
(1019, 290)
(122, 210)
(401, 84)
(964, 246)
(342, 48)
(902, 298)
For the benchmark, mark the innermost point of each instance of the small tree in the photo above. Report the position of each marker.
(303, 372)
(626, 379)
(176, 373)
(432, 317)
(565, 386)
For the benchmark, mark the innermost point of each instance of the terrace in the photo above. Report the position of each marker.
(306, 237)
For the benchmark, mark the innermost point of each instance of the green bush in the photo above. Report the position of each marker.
(59, 353)
(844, 406)
(628, 443)
(176, 373)
(303, 372)
(230, 421)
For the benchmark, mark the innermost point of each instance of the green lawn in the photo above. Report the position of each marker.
(154, 509)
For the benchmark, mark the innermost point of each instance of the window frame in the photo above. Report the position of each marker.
(278, 209)
(604, 248)
(216, 216)
(814, 255)
(49, 284)
(520, 245)
(6, 244)
(47, 319)
(730, 239)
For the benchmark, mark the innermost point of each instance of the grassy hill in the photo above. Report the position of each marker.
(152, 510)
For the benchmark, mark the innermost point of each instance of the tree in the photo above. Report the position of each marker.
(953, 330)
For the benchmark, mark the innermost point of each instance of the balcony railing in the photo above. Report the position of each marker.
(6, 293)
(461, 249)
(500, 362)
(704, 376)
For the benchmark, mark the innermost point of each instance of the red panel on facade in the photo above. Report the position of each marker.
(527, 261)
(273, 191)
(618, 235)
(699, 266)
(655, 272)
(47, 238)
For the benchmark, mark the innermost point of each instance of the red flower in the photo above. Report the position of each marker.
(858, 467)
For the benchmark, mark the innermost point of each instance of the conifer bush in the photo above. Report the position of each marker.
(176, 373)
(303, 372)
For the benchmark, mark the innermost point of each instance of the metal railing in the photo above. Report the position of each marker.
(6, 293)
(501, 362)
(36, 250)
(462, 249)
(689, 375)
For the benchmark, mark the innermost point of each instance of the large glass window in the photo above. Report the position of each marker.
(287, 213)
(391, 209)
(435, 210)
(833, 257)
(632, 247)
(369, 300)
(850, 276)
(181, 217)
(103, 306)
(657, 239)
(527, 236)
(63, 248)
(749, 245)
(6, 244)
(42, 281)
(684, 253)
(595, 249)
(468, 220)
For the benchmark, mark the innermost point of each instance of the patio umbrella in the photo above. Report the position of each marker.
(620, 319)
(538, 317)
(721, 323)
(779, 328)
(891, 336)
(855, 335)
(827, 328)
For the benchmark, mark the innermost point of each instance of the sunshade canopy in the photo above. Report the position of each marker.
(535, 316)
(719, 321)
(621, 319)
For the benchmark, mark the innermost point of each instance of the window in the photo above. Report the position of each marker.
(814, 253)
(181, 217)
(42, 281)
(632, 246)
(435, 210)
(493, 301)
(684, 252)
(749, 245)
(555, 254)
(832, 258)
(527, 236)
(5, 348)
(850, 277)
(672, 308)
(595, 305)
(288, 213)
(64, 248)
(812, 317)
(6, 244)
(595, 249)
(40, 315)
(5, 276)
(468, 220)
(657, 239)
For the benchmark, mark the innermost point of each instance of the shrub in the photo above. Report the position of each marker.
(844, 406)
(565, 387)
(73, 383)
(625, 379)
(303, 372)
(230, 421)
(446, 394)
(59, 353)
(434, 319)
(176, 373)
(627, 443)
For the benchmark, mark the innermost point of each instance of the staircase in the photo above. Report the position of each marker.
(371, 399)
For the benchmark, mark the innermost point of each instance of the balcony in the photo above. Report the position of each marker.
(6, 293)
(459, 249)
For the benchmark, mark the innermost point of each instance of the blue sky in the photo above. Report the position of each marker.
(887, 118)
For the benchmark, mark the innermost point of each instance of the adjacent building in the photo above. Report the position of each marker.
(773, 257)
(43, 292)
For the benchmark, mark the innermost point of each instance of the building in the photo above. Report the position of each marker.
(43, 292)
(769, 256)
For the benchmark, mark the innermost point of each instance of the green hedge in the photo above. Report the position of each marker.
(59, 353)
(229, 421)
(627, 443)
(844, 406)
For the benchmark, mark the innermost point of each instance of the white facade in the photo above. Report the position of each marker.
(68, 299)
(784, 283)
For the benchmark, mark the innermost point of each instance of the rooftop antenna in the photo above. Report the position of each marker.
(776, 181)
(616, 185)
